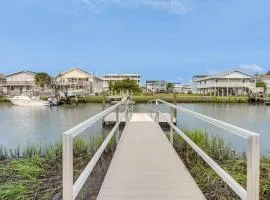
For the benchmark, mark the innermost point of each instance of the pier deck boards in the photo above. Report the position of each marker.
(146, 167)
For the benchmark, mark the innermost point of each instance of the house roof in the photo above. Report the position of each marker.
(24, 71)
(74, 68)
(99, 78)
(200, 76)
(224, 74)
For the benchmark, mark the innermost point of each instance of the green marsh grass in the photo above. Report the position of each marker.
(190, 98)
(235, 163)
(35, 172)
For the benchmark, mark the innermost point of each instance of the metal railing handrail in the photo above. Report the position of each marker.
(224, 125)
(70, 190)
(253, 155)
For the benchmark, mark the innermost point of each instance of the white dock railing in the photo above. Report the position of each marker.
(70, 190)
(253, 152)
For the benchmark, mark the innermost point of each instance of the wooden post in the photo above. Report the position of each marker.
(175, 103)
(253, 168)
(157, 113)
(117, 136)
(67, 167)
(171, 129)
(126, 114)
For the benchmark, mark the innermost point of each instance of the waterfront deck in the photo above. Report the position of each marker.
(145, 166)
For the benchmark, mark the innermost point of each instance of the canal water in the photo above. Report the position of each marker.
(23, 126)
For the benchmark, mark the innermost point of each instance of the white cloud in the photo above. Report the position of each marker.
(251, 68)
(171, 6)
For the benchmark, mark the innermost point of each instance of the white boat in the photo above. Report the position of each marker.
(27, 101)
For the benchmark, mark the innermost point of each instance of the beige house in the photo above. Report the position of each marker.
(77, 79)
(19, 82)
(230, 83)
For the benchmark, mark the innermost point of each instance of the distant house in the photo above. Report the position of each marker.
(177, 87)
(226, 84)
(19, 82)
(77, 79)
(266, 80)
(2, 82)
(194, 79)
(98, 85)
(119, 77)
(156, 86)
(187, 89)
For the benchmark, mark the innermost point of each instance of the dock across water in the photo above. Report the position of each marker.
(146, 166)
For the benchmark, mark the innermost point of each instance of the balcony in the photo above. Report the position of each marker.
(225, 85)
(19, 83)
(73, 82)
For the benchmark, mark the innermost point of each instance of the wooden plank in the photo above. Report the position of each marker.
(145, 166)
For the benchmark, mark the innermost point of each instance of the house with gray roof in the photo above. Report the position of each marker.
(19, 82)
(231, 83)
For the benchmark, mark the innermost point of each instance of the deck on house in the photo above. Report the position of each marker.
(145, 166)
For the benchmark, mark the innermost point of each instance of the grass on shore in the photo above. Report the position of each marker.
(180, 98)
(36, 172)
(190, 98)
(213, 187)
(3, 99)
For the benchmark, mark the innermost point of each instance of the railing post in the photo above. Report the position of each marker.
(67, 167)
(117, 120)
(126, 110)
(253, 168)
(157, 113)
(171, 121)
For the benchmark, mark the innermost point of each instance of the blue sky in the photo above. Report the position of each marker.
(160, 39)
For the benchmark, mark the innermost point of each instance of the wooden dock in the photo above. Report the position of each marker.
(163, 119)
(145, 166)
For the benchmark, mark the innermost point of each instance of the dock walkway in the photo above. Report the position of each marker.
(145, 166)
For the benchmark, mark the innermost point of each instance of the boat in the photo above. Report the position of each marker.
(24, 100)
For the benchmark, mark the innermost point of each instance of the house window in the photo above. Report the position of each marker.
(12, 88)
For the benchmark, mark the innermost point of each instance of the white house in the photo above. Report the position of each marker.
(99, 85)
(187, 89)
(156, 86)
(227, 84)
(119, 77)
(194, 79)
(77, 79)
(19, 82)
(177, 87)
